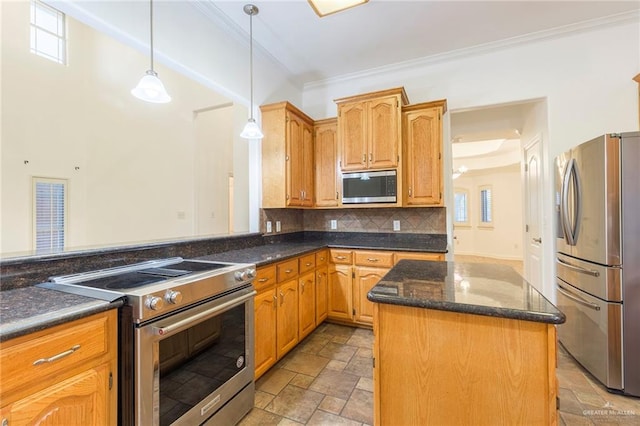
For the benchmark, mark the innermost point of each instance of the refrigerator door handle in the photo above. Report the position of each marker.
(577, 211)
(579, 269)
(564, 204)
(580, 300)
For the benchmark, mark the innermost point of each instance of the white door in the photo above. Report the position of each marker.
(533, 261)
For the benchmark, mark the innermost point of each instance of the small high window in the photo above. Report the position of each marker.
(486, 207)
(48, 32)
(49, 214)
(461, 209)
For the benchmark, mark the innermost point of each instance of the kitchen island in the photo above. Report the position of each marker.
(462, 343)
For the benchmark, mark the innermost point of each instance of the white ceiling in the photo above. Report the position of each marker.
(385, 32)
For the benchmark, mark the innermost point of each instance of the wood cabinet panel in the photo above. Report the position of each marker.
(366, 277)
(287, 317)
(341, 257)
(307, 263)
(422, 144)
(326, 163)
(340, 292)
(306, 304)
(265, 277)
(265, 352)
(287, 270)
(398, 256)
(384, 132)
(322, 294)
(322, 257)
(375, 258)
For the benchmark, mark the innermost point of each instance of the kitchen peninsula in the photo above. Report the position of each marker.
(473, 343)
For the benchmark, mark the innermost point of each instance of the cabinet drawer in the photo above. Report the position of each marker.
(307, 262)
(54, 352)
(287, 270)
(265, 277)
(381, 259)
(321, 257)
(418, 256)
(344, 257)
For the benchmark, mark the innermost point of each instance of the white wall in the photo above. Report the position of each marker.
(504, 239)
(130, 164)
(586, 78)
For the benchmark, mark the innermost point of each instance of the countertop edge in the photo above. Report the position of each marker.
(470, 309)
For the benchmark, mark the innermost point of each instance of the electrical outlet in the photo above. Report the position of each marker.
(396, 225)
(334, 224)
(268, 226)
(278, 227)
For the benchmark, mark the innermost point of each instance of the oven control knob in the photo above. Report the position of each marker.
(154, 303)
(173, 297)
(251, 273)
(241, 275)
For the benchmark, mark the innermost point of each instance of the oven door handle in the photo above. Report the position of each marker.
(195, 318)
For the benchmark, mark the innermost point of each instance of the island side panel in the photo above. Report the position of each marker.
(440, 367)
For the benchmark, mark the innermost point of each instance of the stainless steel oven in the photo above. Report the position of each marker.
(190, 365)
(185, 338)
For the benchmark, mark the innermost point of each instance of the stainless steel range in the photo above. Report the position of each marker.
(186, 338)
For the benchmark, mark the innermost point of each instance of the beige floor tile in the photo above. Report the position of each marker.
(305, 363)
(336, 365)
(274, 380)
(322, 418)
(359, 407)
(360, 340)
(302, 381)
(295, 403)
(359, 366)
(337, 351)
(331, 404)
(258, 417)
(365, 383)
(262, 399)
(334, 383)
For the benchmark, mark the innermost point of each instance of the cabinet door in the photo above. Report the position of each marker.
(352, 129)
(384, 132)
(79, 400)
(294, 160)
(326, 156)
(265, 353)
(340, 292)
(306, 304)
(322, 288)
(365, 279)
(306, 165)
(423, 145)
(287, 321)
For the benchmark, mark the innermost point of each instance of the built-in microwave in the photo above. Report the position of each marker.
(369, 187)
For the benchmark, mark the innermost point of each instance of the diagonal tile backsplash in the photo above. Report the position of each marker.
(428, 220)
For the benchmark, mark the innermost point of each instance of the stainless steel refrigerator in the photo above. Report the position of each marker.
(597, 201)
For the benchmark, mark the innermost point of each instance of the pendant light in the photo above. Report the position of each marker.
(251, 129)
(150, 88)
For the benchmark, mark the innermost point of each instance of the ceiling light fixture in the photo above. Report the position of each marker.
(327, 7)
(150, 88)
(251, 129)
(459, 172)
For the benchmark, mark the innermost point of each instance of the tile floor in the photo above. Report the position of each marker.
(327, 380)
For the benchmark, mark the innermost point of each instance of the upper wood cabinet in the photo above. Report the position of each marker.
(326, 156)
(422, 146)
(369, 129)
(287, 157)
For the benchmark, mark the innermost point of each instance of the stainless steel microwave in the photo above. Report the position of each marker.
(369, 187)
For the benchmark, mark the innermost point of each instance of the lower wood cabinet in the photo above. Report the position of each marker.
(322, 295)
(265, 352)
(306, 304)
(287, 317)
(63, 375)
(352, 273)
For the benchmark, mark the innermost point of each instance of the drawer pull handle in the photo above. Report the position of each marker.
(322, 259)
(288, 271)
(341, 257)
(372, 259)
(57, 357)
(263, 280)
(308, 264)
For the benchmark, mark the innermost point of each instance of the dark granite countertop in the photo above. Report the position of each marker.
(30, 309)
(474, 288)
(274, 252)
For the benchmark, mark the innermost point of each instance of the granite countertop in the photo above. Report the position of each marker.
(30, 309)
(269, 253)
(474, 288)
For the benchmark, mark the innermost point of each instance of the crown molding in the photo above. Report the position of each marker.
(550, 34)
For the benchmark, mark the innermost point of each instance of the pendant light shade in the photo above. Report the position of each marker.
(251, 129)
(150, 88)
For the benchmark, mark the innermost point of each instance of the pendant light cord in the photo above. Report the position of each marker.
(251, 59)
(151, 30)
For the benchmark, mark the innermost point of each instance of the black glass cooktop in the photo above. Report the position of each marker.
(143, 277)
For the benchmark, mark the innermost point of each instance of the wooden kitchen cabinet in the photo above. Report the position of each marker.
(422, 151)
(322, 286)
(340, 292)
(327, 179)
(62, 375)
(415, 255)
(365, 279)
(369, 130)
(265, 317)
(287, 317)
(287, 157)
(306, 304)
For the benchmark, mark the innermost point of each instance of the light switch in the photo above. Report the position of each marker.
(396, 225)
(334, 224)
(268, 226)
(278, 227)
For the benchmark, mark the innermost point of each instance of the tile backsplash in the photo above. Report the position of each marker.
(428, 220)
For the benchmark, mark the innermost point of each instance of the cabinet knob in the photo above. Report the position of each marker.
(288, 271)
(308, 264)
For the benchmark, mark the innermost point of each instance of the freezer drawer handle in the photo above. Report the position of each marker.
(579, 269)
(577, 299)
